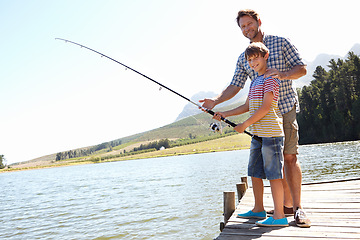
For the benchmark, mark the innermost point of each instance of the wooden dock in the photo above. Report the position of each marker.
(333, 208)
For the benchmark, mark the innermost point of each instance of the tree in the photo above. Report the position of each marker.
(2, 162)
(330, 106)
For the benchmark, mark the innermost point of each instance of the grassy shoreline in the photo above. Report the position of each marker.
(230, 143)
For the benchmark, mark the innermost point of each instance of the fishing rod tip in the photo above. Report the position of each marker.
(61, 39)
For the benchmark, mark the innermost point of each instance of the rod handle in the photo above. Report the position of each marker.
(234, 125)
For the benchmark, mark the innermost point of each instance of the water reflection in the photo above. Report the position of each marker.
(165, 198)
(330, 161)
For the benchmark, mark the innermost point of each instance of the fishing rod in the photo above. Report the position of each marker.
(161, 85)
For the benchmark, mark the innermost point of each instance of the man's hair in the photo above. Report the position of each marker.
(256, 49)
(247, 12)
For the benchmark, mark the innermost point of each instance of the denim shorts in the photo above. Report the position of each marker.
(266, 159)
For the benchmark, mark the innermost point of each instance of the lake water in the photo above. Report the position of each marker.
(165, 198)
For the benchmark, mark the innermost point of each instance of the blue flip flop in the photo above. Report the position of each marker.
(251, 214)
(271, 222)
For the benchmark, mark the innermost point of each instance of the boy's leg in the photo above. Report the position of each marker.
(258, 190)
(288, 202)
(277, 192)
(256, 172)
(272, 150)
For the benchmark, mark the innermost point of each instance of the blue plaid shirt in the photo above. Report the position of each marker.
(283, 56)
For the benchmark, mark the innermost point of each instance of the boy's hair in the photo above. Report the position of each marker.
(256, 49)
(247, 12)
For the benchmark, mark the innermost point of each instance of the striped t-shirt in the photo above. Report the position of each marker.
(271, 125)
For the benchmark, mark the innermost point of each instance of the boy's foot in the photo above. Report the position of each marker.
(301, 219)
(271, 222)
(288, 211)
(251, 214)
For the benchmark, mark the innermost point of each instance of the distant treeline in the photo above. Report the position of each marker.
(86, 152)
(156, 144)
(149, 147)
(2, 161)
(330, 106)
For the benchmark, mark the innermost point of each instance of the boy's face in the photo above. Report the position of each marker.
(258, 63)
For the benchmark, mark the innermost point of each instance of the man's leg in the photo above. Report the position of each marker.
(288, 201)
(293, 177)
(292, 167)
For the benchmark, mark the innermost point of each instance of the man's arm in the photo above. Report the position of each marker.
(228, 93)
(233, 112)
(296, 72)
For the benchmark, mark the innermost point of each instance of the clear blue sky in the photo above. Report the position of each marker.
(55, 96)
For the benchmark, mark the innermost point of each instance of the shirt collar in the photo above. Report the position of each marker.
(265, 36)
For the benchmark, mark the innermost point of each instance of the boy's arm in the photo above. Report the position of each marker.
(259, 113)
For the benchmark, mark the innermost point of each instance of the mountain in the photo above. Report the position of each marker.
(356, 49)
(321, 60)
(190, 109)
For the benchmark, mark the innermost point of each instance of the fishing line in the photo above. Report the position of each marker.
(214, 127)
(161, 86)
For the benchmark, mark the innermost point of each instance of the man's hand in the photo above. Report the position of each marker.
(229, 92)
(293, 74)
(208, 103)
(273, 72)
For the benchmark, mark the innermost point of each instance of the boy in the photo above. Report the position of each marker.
(266, 158)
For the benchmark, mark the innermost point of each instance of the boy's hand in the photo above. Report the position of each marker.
(218, 115)
(240, 128)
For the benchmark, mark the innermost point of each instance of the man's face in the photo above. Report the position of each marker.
(249, 27)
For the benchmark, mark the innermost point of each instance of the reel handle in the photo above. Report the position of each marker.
(234, 125)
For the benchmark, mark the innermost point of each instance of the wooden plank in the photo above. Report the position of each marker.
(321, 218)
(259, 232)
(334, 210)
(293, 229)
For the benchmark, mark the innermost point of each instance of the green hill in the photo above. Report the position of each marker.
(189, 130)
(198, 125)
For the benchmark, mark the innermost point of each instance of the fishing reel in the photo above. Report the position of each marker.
(216, 127)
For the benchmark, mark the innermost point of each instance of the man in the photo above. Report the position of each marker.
(285, 64)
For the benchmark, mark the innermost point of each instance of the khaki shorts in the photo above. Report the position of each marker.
(291, 128)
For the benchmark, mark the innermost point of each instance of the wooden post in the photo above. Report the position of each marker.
(229, 205)
(241, 188)
(244, 180)
(229, 201)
